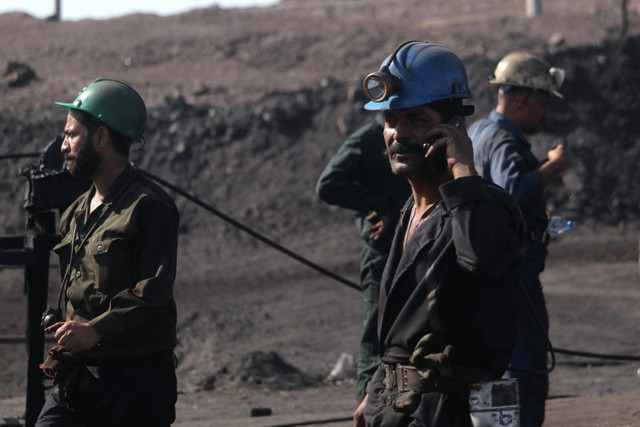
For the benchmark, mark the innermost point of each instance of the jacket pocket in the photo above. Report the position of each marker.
(110, 261)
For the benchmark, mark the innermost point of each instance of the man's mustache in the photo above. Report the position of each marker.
(402, 148)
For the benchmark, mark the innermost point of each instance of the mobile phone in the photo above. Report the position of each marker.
(437, 163)
(457, 121)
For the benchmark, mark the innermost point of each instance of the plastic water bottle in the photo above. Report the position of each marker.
(558, 225)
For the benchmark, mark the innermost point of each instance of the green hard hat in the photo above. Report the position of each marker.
(114, 103)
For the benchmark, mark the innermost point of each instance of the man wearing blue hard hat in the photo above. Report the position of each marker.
(447, 316)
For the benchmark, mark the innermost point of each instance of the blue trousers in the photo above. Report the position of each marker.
(531, 353)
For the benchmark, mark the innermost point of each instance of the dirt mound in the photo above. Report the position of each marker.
(259, 160)
(264, 370)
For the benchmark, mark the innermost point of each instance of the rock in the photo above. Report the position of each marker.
(345, 368)
(18, 74)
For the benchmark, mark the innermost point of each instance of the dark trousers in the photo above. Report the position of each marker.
(436, 409)
(137, 393)
(530, 353)
(371, 266)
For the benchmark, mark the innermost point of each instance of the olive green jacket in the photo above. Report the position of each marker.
(121, 278)
(358, 177)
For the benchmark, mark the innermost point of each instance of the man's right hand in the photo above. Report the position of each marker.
(560, 157)
(558, 161)
(74, 336)
(358, 416)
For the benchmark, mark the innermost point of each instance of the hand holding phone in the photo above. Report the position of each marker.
(457, 121)
(437, 162)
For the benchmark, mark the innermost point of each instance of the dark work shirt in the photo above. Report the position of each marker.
(456, 278)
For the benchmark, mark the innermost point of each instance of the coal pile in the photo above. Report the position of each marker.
(258, 161)
(599, 123)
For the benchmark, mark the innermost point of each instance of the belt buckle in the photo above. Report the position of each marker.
(390, 376)
(402, 378)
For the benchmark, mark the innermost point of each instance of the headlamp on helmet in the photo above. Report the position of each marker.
(380, 85)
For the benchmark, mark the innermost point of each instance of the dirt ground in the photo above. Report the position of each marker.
(245, 109)
(591, 286)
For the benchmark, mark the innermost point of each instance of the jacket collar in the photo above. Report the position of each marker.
(510, 127)
(118, 186)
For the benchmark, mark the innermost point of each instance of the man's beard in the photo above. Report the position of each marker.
(86, 161)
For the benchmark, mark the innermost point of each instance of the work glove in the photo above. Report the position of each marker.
(70, 374)
(432, 357)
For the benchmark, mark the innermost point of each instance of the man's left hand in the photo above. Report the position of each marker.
(75, 336)
(458, 146)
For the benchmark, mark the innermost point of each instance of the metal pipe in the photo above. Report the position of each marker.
(533, 8)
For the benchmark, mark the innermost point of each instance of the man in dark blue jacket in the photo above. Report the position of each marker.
(503, 156)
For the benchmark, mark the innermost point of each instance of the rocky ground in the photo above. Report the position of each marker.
(245, 109)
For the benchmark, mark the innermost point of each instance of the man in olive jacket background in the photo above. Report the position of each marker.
(358, 177)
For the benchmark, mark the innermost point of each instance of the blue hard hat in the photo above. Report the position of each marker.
(427, 73)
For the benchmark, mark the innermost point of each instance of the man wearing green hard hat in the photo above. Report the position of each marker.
(113, 363)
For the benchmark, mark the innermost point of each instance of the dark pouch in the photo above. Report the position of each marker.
(71, 376)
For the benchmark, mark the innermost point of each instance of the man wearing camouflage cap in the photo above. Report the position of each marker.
(503, 156)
